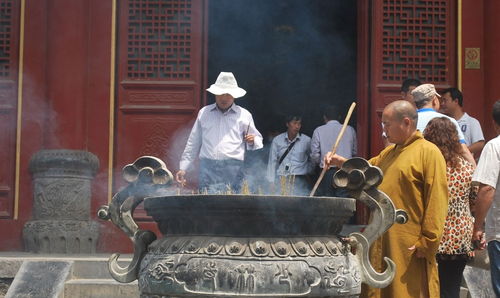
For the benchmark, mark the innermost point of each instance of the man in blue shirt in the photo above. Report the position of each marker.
(427, 102)
(289, 159)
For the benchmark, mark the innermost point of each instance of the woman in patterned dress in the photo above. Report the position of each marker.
(456, 245)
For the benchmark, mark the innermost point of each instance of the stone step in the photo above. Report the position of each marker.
(94, 268)
(99, 288)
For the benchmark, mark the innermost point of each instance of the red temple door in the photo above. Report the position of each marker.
(160, 78)
(409, 39)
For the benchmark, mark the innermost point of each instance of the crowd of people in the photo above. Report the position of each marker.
(429, 166)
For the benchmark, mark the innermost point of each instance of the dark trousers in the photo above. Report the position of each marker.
(494, 255)
(450, 277)
(220, 176)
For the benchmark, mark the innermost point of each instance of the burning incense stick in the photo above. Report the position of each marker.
(334, 149)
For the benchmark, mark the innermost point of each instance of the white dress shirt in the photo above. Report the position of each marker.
(324, 138)
(296, 162)
(488, 172)
(220, 135)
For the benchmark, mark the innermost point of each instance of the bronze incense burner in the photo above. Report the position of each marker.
(249, 245)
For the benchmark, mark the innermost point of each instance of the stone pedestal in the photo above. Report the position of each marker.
(61, 208)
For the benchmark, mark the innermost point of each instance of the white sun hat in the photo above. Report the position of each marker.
(226, 83)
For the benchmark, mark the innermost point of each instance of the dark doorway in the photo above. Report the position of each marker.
(292, 56)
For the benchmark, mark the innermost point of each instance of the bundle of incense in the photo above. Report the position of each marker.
(259, 191)
(283, 185)
(292, 184)
(245, 188)
(229, 190)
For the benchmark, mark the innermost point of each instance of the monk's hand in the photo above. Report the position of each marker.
(418, 251)
(249, 139)
(180, 177)
(332, 159)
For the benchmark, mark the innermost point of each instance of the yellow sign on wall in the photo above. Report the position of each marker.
(472, 58)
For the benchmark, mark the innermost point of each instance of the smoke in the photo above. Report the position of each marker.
(39, 117)
(290, 55)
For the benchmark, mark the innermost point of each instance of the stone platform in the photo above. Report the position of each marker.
(43, 275)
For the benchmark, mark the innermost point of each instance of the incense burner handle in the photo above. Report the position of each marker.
(361, 180)
(147, 176)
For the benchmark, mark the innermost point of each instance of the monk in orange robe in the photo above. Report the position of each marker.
(415, 180)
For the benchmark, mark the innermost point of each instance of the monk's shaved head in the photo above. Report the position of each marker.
(399, 120)
(401, 109)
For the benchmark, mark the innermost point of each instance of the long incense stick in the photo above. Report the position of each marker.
(334, 149)
(248, 129)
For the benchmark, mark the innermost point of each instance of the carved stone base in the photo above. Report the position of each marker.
(61, 236)
(207, 266)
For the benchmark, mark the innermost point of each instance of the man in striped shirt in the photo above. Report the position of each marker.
(219, 137)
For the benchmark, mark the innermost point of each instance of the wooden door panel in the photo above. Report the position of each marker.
(410, 39)
(160, 79)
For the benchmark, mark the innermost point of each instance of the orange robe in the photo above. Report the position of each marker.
(415, 180)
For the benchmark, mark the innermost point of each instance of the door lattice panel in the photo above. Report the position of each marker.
(159, 39)
(416, 40)
(6, 19)
(9, 55)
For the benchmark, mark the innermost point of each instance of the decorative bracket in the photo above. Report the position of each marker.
(361, 180)
(147, 176)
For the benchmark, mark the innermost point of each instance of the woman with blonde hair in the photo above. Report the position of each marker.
(456, 244)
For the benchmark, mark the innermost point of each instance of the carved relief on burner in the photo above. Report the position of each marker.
(301, 248)
(235, 248)
(281, 248)
(341, 276)
(245, 279)
(210, 275)
(318, 247)
(236, 276)
(213, 248)
(259, 248)
(192, 246)
(335, 247)
(283, 276)
(163, 270)
(177, 245)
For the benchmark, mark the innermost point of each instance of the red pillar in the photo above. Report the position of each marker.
(491, 63)
(473, 36)
(67, 57)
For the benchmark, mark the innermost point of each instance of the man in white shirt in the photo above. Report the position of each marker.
(487, 174)
(290, 160)
(219, 137)
(427, 102)
(323, 139)
(452, 105)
